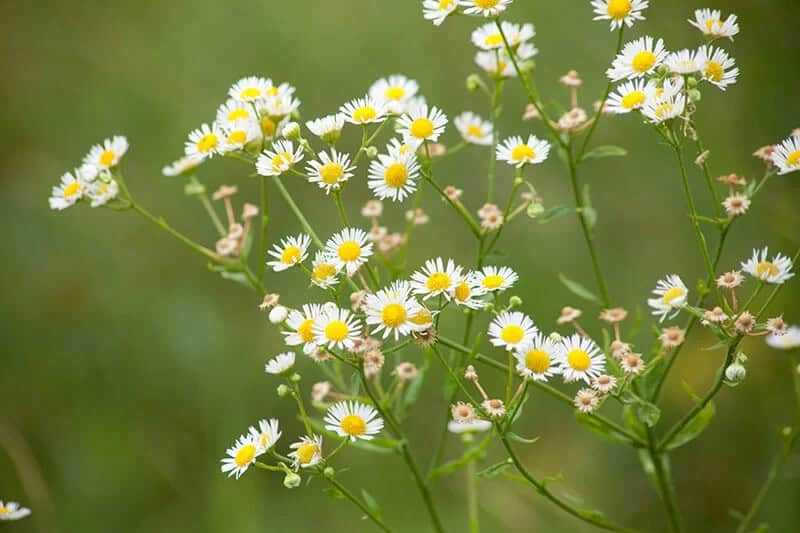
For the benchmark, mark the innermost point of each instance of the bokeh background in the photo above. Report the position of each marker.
(127, 367)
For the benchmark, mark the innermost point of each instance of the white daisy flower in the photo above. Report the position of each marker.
(717, 67)
(327, 128)
(665, 108)
(331, 171)
(336, 328)
(493, 278)
(776, 271)
(619, 12)
(100, 192)
(394, 92)
(349, 249)
(711, 24)
(275, 91)
(249, 89)
(279, 159)
(233, 111)
(69, 191)
(604, 383)
(788, 341)
(672, 297)
(107, 155)
(683, 62)
(278, 107)
(539, 358)
(364, 110)
(307, 451)
(512, 330)
(467, 290)
(487, 8)
(787, 155)
(519, 153)
(289, 252)
(637, 58)
(239, 134)
(473, 128)
(394, 177)
(438, 10)
(391, 309)
(12, 511)
(353, 420)
(488, 37)
(301, 327)
(496, 65)
(736, 204)
(182, 166)
(204, 141)
(324, 272)
(421, 124)
(267, 434)
(280, 363)
(581, 359)
(436, 278)
(476, 425)
(398, 148)
(241, 455)
(586, 400)
(630, 95)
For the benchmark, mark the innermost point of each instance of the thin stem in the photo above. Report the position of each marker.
(664, 482)
(337, 197)
(262, 255)
(458, 206)
(472, 498)
(493, 116)
(350, 496)
(297, 212)
(707, 175)
(299, 399)
(213, 214)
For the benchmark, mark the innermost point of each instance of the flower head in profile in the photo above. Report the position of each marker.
(709, 21)
(336, 328)
(353, 420)
(420, 124)
(512, 330)
(619, 12)
(13, 511)
(324, 270)
(539, 358)
(789, 340)
(394, 92)
(327, 128)
(349, 249)
(476, 425)
(391, 309)
(266, 435)
(280, 364)
(69, 191)
(717, 67)
(580, 359)
(301, 327)
(786, 156)
(474, 129)
(497, 65)
(281, 156)
(107, 154)
(487, 8)
(488, 37)
(204, 142)
(438, 10)
(241, 456)
(659, 110)
(518, 153)
(249, 89)
(638, 58)
(683, 62)
(234, 111)
(776, 271)
(330, 171)
(671, 297)
(307, 451)
(100, 192)
(182, 166)
(291, 251)
(365, 110)
(394, 177)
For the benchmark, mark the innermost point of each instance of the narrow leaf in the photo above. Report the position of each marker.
(601, 152)
(695, 427)
(553, 213)
(523, 440)
(578, 290)
(494, 470)
(372, 505)
(648, 413)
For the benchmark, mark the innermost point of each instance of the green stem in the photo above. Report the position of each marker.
(350, 496)
(709, 181)
(472, 498)
(213, 214)
(455, 204)
(664, 483)
(299, 399)
(493, 116)
(297, 212)
(262, 264)
(337, 197)
(517, 183)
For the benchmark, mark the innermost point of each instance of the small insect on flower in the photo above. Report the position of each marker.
(279, 159)
(438, 10)
(241, 455)
(586, 400)
(101, 192)
(436, 278)
(619, 12)
(776, 271)
(512, 330)
(487, 8)
(709, 21)
(786, 156)
(354, 420)
(391, 309)
(394, 177)
(630, 96)
(364, 110)
(327, 128)
(672, 295)
(683, 62)
(266, 435)
(331, 171)
(581, 359)
(474, 129)
(349, 249)
(395, 92)
(420, 124)
(789, 340)
(494, 278)
(204, 142)
(182, 166)
(637, 58)
(107, 155)
(519, 153)
(538, 359)
(280, 364)
(69, 191)
(291, 251)
(307, 451)
(13, 511)
(336, 328)
(664, 108)
(717, 67)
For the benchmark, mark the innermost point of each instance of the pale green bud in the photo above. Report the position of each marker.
(371, 152)
(555, 337)
(735, 373)
(329, 472)
(514, 301)
(692, 82)
(474, 82)
(295, 378)
(694, 95)
(292, 480)
(291, 131)
(283, 390)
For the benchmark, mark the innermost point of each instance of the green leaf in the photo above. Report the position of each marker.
(355, 384)
(695, 427)
(372, 505)
(523, 440)
(578, 290)
(647, 413)
(592, 424)
(237, 277)
(553, 213)
(547, 480)
(648, 467)
(494, 470)
(601, 152)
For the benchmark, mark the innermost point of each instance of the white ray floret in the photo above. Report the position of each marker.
(107, 154)
(391, 310)
(394, 177)
(330, 171)
(619, 12)
(493, 278)
(474, 129)
(307, 451)
(395, 92)
(581, 359)
(517, 152)
(709, 21)
(511, 330)
(349, 249)
(787, 155)
(266, 435)
(637, 58)
(280, 364)
(301, 327)
(671, 295)
(241, 456)
(290, 251)
(539, 358)
(776, 270)
(353, 420)
(717, 67)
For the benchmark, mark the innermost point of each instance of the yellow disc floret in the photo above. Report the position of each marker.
(579, 360)
(354, 425)
(537, 361)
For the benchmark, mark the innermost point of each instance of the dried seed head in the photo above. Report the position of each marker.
(777, 326)
(745, 322)
(225, 191)
(470, 374)
(736, 204)
(672, 337)
(586, 400)
(613, 315)
(462, 412)
(730, 280)
(406, 371)
(320, 390)
(716, 315)
(494, 407)
(568, 314)
(372, 209)
(249, 211)
(571, 79)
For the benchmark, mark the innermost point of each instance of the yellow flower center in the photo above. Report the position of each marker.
(663, 110)
(245, 455)
(537, 361)
(5, 510)
(323, 271)
(643, 61)
(267, 127)
(237, 137)
(714, 71)
(349, 251)
(793, 159)
(438, 281)
(272, 91)
(493, 40)
(291, 255)
(522, 152)
(493, 281)
(486, 4)
(264, 440)
(710, 24)
(72, 189)
(280, 160)
(422, 318)
(394, 93)
(364, 114)
(422, 128)
(474, 131)
(305, 330)
(250, 93)
(445, 4)
(672, 294)
(579, 360)
(512, 334)
(393, 315)
(238, 114)
(336, 330)
(619, 9)
(766, 268)
(306, 452)
(207, 143)
(633, 99)
(462, 291)
(107, 157)
(354, 425)
(331, 173)
(396, 175)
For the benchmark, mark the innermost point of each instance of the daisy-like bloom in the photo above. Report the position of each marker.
(395, 92)
(494, 407)
(519, 153)
(494, 278)
(476, 425)
(736, 204)
(630, 96)
(239, 134)
(436, 278)
(683, 62)
(665, 108)
(249, 89)
(467, 291)
(438, 10)
(301, 327)
(354, 420)
(538, 359)
(717, 67)
(776, 271)
(619, 12)
(405, 371)
(204, 142)
(462, 412)
(100, 192)
(619, 349)
(241, 455)
(777, 326)
(730, 280)
(373, 362)
(107, 155)
(70, 190)
(581, 359)
(491, 217)
(336, 328)
(512, 330)
(787, 155)
(473, 128)
(487, 8)
(672, 337)
(586, 400)
(672, 295)
(327, 128)
(13, 511)
(637, 58)
(364, 110)
(715, 316)
(391, 309)
(745, 323)
(279, 159)
(280, 364)
(349, 249)
(604, 383)
(289, 252)
(307, 451)
(496, 65)
(234, 111)
(488, 37)
(182, 166)
(331, 171)
(711, 24)
(324, 272)
(632, 363)
(421, 124)
(789, 340)
(568, 314)
(266, 435)
(278, 107)
(393, 177)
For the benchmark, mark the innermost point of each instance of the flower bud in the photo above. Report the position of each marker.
(194, 187)
(735, 373)
(694, 95)
(474, 82)
(555, 337)
(662, 70)
(329, 472)
(278, 314)
(786, 431)
(514, 301)
(283, 390)
(291, 131)
(371, 152)
(691, 82)
(489, 307)
(292, 480)
(295, 378)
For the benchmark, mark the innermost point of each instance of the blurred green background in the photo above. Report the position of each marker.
(127, 368)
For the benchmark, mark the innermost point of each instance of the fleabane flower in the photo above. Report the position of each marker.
(266, 435)
(69, 191)
(239, 134)
(349, 249)
(289, 252)
(307, 451)
(468, 290)
(672, 297)
(619, 12)
(182, 166)
(659, 110)
(241, 455)
(100, 192)
(488, 37)
(277, 107)
(709, 21)
(364, 110)
(487, 8)
(496, 65)
(717, 67)
(493, 278)
(438, 10)
(324, 270)
(336, 328)
(394, 177)
(391, 310)
(394, 92)
(512, 330)
(630, 96)
(249, 89)
(790, 340)
(327, 128)
(204, 142)
(353, 420)
(637, 58)
(13, 511)
(421, 124)
(518, 153)
(787, 155)
(330, 171)
(683, 62)
(107, 154)
(775, 271)
(232, 111)
(539, 358)
(473, 128)
(581, 359)
(301, 327)
(279, 159)
(280, 364)
(436, 278)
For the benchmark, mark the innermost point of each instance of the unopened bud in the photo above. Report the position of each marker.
(489, 307)
(295, 378)
(292, 480)
(662, 70)
(694, 95)
(329, 472)
(786, 431)
(691, 82)
(735, 373)
(283, 390)
(291, 131)
(371, 152)
(514, 301)
(194, 187)
(474, 82)
(278, 314)
(555, 337)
